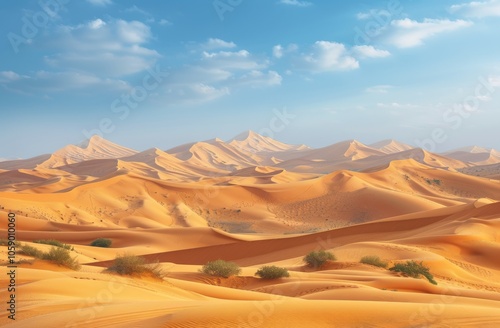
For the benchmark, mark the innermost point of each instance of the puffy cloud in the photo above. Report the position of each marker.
(260, 79)
(406, 33)
(278, 51)
(478, 8)
(369, 52)
(114, 48)
(329, 56)
(236, 60)
(214, 43)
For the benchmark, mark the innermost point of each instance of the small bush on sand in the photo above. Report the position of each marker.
(317, 259)
(61, 256)
(374, 260)
(101, 242)
(135, 265)
(57, 255)
(31, 251)
(272, 272)
(53, 242)
(221, 268)
(414, 269)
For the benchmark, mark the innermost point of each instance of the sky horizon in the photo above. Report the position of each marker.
(148, 74)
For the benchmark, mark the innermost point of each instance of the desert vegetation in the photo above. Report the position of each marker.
(317, 259)
(272, 272)
(221, 268)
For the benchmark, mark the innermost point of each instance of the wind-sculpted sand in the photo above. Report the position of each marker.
(240, 201)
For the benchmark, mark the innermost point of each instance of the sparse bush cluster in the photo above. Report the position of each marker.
(221, 268)
(374, 260)
(57, 255)
(272, 272)
(414, 269)
(317, 259)
(101, 242)
(135, 265)
(53, 242)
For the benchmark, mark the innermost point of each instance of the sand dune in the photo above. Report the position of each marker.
(256, 201)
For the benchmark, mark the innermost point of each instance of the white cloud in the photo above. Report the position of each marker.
(9, 76)
(384, 88)
(369, 52)
(260, 79)
(113, 48)
(193, 93)
(234, 60)
(329, 56)
(100, 2)
(363, 16)
(296, 3)
(96, 24)
(478, 8)
(278, 51)
(214, 43)
(406, 33)
(164, 22)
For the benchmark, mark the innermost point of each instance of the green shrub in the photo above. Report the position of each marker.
(135, 265)
(414, 269)
(62, 257)
(101, 242)
(317, 259)
(272, 272)
(221, 268)
(57, 255)
(374, 260)
(31, 251)
(53, 242)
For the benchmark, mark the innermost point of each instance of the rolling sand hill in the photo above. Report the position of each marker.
(255, 201)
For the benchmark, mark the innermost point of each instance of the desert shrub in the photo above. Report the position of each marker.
(135, 265)
(414, 269)
(101, 242)
(272, 272)
(57, 255)
(317, 259)
(31, 251)
(62, 257)
(221, 268)
(53, 242)
(373, 260)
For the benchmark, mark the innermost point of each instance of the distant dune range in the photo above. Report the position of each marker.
(257, 201)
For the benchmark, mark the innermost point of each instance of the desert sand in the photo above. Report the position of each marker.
(257, 201)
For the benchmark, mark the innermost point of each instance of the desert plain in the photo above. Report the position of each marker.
(255, 201)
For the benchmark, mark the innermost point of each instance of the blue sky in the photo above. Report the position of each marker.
(161, 73)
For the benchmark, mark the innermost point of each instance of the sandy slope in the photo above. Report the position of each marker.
(345, 293)
(256, 202)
